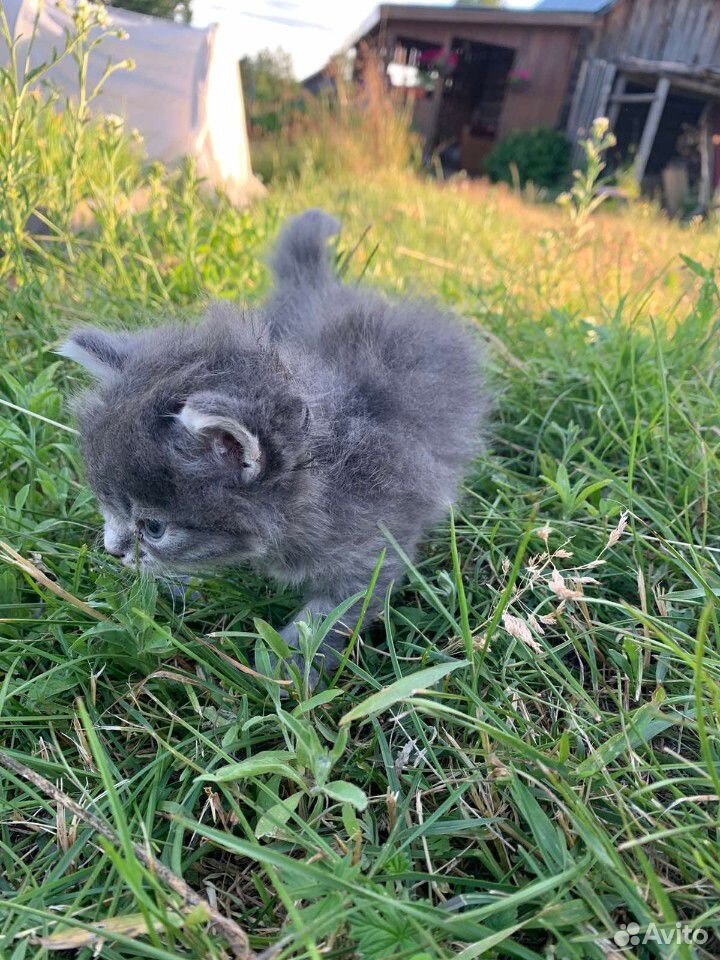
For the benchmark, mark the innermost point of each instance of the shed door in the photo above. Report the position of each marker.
(591, 98)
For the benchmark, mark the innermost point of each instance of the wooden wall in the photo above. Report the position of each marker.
(679, 31)
(548, 53)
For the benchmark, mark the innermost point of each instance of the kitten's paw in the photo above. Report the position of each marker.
(325, 661)
(291, 635)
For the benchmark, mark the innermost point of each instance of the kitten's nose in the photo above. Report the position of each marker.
(116, 541)
(116, 538)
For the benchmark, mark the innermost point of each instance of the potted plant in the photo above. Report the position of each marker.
(519, 79)
(435, 62)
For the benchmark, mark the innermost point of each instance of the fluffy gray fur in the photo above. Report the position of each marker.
(283, 436)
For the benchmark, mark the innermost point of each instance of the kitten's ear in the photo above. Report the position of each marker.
(227, 437)
(101, 352)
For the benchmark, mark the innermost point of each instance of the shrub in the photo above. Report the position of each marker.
(540, 156)
(272, 96)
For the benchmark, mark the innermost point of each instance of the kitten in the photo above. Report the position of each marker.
(282, 436)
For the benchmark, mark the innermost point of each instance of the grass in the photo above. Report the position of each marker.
(358, 129)
(521, 757)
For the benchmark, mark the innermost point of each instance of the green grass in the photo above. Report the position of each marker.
(550, 775)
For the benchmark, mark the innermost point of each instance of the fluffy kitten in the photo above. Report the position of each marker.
(282, 436)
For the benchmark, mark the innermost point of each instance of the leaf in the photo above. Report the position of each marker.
(350, 821)
(49, 686)
(402, 689)
(591, 488)
(21, 498)
(346, 792)
(307, 743)
(273, 820)
(47, 484)
(268, 761)
(480, 947)
(381, 934)
(133, 925)
(697, 268)
(318, 700)
(548, 838)
(272, 638)
(562, 480)
(8, 555)
(645, 723)
(338, 748)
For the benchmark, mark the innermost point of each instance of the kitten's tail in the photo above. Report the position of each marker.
(301, 255)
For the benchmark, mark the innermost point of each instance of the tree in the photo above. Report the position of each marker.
(272, 96)
(168, 9)
(267, 77)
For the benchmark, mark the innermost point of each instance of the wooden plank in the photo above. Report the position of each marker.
(682, 31)
(706, 161)
(691, 85)
(573, 117)
(678, 43)
(437, 95)
(702, 23)
(590, 101)
(709, 49)
(650, 129)
(675, 39)
(496, 15)
(623, 17)
(606, 86)
(632, 98)
(666, 25)
(548, 58)
(632, 37)
(648, 29)
(670, 68)
(616, 99)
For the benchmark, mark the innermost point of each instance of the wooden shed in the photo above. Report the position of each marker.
(483, 71)
(653, 67)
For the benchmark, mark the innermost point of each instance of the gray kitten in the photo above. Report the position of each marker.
(282, 436)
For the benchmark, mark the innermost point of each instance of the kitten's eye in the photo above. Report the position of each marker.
(153, 529)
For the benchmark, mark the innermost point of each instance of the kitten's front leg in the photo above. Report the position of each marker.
(333, 645)
(320, 604)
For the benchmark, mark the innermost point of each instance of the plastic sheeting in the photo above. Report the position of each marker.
(184, 95)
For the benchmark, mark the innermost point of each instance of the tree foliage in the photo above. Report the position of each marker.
(267, 76)
(167, 9)
(271, 93)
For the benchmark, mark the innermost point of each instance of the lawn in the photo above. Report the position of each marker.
(551, 774)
